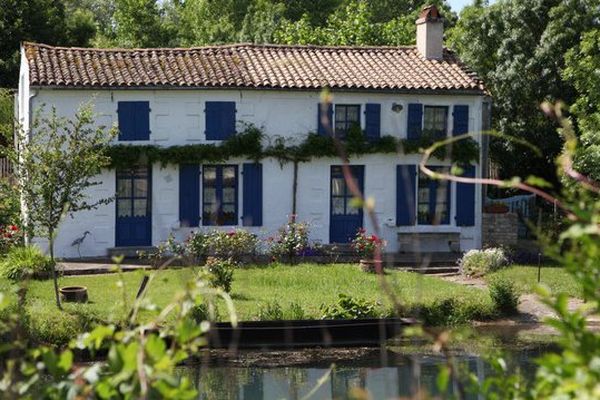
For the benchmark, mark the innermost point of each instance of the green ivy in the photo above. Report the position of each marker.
(461, 152)
(254, 145)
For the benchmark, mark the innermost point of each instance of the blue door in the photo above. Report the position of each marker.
(345, 220)
(134, 219)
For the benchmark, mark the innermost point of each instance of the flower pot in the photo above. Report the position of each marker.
(77, 294)
(368, 265)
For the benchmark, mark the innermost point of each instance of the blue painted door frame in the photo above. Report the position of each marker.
(344, 219)
(134, 207)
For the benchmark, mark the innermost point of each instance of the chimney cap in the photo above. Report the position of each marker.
(430, 14)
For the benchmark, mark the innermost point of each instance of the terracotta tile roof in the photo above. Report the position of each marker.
(250, 66)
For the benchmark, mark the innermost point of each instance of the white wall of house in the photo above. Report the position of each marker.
(177, 118)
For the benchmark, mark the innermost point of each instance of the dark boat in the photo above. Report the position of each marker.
(305, 333)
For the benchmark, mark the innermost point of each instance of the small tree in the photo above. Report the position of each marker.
(55, 165)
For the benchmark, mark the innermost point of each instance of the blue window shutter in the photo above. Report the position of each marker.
(142, 120)
(461, 120)
(415, 121)
(406, 176)
(189, 195)
(126, 112)
(323, 129)
(373, 121)
(253, 194)
(220, 119)
(465, 199)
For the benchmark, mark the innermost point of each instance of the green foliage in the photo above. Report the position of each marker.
(291, 240)
(348, 307)
(453, 311)
(219, 273)
(235, 244)
(10, 204)
(481, 262)
(10, 236)
(518, 48)
(270, 311)
(462, 152)
(504, 295)
(25, 262)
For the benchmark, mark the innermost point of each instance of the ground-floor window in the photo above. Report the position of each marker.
(219, 194)
(433, 197)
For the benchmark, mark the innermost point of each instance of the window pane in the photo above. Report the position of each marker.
(337, 186)
(139, 207)
(337, 206)
(228, 176)
(228, 195)
(124, 188)
(210, 175)
(124, 208)
(352, 114)
(140, 188)
(349, 209)
(228, 214)
(210, 195)
(208, 215)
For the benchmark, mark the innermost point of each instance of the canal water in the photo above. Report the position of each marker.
(390, 373)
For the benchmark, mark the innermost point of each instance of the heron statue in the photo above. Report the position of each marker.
(77, 242)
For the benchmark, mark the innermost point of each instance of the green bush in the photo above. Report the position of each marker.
(453, 311)
(480, 262)
(201, 312)
(25, 262)
(295, 311)
(270, 311)
(504, 295)
(291, 240)
(349, 308)
(219, 273)
(234, 244)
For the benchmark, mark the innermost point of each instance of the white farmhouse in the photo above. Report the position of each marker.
(198, 98)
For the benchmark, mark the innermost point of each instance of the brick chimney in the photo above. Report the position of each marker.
(430, 33)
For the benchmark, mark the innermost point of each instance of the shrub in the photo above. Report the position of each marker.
(480, 262)
(270, 311)
(349, 308)
(365, 245)
(453, 311)
(10, 236)
(201, 312)
(291, 240)
(219, 273)
(295, 311)
(25, 262)
(504, 295)
(233, 244)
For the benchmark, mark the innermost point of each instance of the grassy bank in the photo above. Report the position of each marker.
(525, 278)
(307, 286)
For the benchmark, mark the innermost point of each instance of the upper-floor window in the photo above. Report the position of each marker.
(219, 194)
(435, 120)
(220, 119)
(346, 116)
(134, 120)
(433, 198)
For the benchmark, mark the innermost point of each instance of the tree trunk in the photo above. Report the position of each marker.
(54, 276)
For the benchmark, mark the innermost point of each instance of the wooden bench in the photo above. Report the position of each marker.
(409, 242)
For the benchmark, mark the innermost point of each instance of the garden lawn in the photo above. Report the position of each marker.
(307, 285)
(525, 279)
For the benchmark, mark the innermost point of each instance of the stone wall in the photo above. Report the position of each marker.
(499, 229)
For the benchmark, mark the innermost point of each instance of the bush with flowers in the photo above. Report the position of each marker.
(10, 236)
(365, 245)
(291, 241)
(234, 244)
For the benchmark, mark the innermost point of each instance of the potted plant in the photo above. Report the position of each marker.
(365, 246)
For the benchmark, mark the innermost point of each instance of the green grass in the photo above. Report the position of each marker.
(525, 279)
(308, 285)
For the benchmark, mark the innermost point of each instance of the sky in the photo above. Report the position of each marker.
(458, 5)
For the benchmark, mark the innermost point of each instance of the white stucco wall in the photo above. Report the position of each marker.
(177, 118)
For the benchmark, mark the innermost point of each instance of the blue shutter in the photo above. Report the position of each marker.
(134, 120)
(323, 129)
(465, 199)
(406, 176)
(461, 120)
(415, 121)
(126, 112)
(253, 195)
(189, 195)
(373, 121)
(220, 119)
(142, 120)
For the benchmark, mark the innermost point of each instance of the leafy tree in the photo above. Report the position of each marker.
(518, 48)
(55, 167)
(139, 23)
(261, 21)
(583, 64)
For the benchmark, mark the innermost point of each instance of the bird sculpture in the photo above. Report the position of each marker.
(77, 242)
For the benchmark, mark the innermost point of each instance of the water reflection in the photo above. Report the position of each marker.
(404, 379)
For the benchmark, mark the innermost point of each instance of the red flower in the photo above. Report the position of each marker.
(13, 228)
(232, 233)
